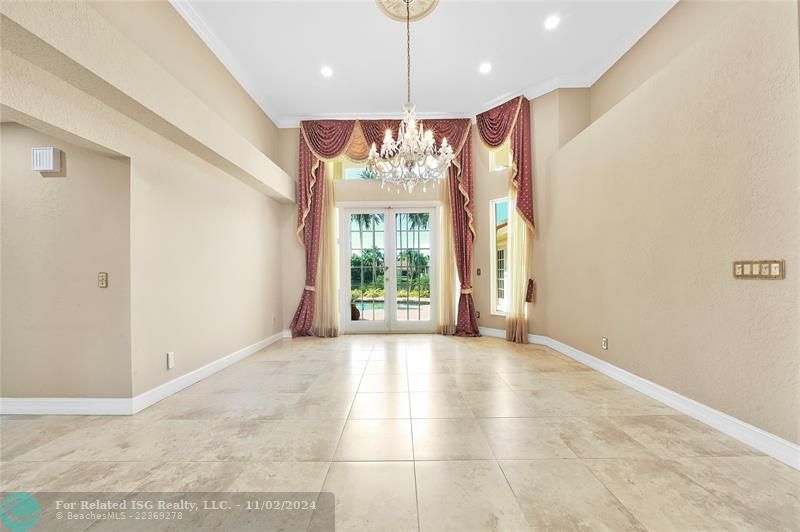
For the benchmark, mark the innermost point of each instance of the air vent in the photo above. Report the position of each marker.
(45, 159)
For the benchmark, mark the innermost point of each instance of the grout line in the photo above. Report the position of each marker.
(344, 425)
(622, 504)
(413, 452)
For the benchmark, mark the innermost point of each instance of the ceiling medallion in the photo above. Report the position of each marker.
(413, 158)
(418, 9)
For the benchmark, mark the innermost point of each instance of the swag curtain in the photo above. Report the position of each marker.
(319, 140)
(323, 140)
(495, 126)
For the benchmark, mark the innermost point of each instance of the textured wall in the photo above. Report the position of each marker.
(156, 28)
(62, 335)
(687, 22)
(648, 207)
(205, 265)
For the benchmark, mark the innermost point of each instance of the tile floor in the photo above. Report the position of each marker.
(419, 432)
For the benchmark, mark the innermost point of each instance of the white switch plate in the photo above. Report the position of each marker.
(604, 343)
(775, 269)
(170, 360)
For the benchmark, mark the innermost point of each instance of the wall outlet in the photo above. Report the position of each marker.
(478, 314)
(604, 343)
(102, 279)
(170, 360)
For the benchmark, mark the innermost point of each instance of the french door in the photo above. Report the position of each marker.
(388, 269)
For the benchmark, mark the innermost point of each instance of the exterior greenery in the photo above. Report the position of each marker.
(367, 265)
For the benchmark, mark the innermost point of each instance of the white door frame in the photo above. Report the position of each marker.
(390, 324)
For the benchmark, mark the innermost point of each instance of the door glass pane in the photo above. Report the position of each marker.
(412, 270)
(367, 266)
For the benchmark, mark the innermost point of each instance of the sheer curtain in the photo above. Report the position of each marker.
(518, 244)
(326, 296)
(446, 320)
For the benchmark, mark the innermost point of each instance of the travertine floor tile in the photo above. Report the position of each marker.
(281, 477)
(449, 439)
(662, 498)
(466, 495)
(376, 496)
(310, 440)
(375, 439)
(565, 495)
(578, 451)
(193, 476)
(384, 382)
(439, 405)
(526, 438)
(431, 382)
(678, 435)
(766, 492)
(380, 406)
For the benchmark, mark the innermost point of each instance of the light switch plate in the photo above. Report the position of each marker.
(759, 269)
(170, 360)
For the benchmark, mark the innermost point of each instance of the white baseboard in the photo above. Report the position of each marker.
(154, 395)
(65, 406)
(127, 406)
(769, 444)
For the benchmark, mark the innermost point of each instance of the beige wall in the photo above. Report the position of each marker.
(695, 168)
(156, 28)
(62, 335)
(205, 261)
(682, 26)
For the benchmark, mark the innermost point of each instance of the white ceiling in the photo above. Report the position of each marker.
(275, 49)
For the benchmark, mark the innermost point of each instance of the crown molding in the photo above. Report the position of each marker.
(294, 121)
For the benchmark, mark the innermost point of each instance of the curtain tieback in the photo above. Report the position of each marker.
(466, 290)
(310, 288)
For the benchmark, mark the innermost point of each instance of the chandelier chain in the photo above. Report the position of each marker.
(408, 51)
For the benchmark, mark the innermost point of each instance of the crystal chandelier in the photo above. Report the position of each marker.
(413, 158)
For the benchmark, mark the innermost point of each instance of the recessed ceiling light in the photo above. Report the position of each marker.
(485, 68)
(326, 71)
(552, 22)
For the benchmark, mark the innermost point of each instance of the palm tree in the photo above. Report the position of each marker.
(367, 221)
(418, 220)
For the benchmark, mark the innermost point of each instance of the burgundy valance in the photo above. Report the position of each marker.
(327, 138)
(513, 119)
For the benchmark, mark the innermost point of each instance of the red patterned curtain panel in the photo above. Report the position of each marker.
(495, 125)
(463, 208)
(320, 139)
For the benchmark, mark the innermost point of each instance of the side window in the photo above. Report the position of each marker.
(500, 159)
(499, 254)
(351, 171)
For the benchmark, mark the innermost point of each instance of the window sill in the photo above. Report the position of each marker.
(498, 313)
